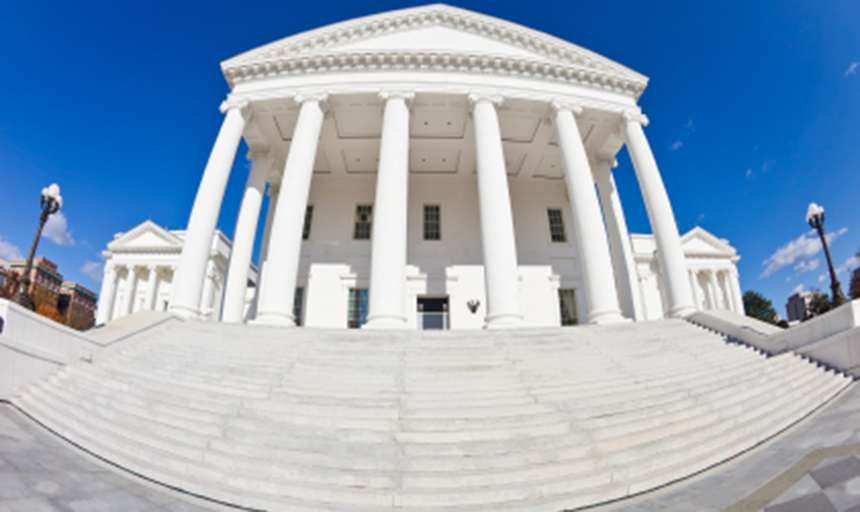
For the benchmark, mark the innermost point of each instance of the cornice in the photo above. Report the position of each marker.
(474, 63)
(315, 51)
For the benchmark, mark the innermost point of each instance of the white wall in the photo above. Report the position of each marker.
(332, 262)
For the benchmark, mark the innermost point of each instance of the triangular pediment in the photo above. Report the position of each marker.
(147, 235)
(700, 242)
(439, 29)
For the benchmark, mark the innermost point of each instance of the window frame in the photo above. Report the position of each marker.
(355, 221)
(552, 235)
(424, 223)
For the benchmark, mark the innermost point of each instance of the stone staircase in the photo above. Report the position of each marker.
(536, 419)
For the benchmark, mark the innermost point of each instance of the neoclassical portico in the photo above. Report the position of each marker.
(383, 139)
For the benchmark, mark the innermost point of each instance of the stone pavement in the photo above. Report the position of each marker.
(40, 472)
(812, 467)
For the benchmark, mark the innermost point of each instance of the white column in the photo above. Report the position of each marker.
(152, 286)
(188, 281)
(694, 286)
(264, 247)
(736, 291)
(388, 249)
(243, 241)
(108, 292)
(278, 282)
(715, 289)
(671, 256)
(206, 299)
(130, 280)
(497, 225)
(599, 283)
(626, 281)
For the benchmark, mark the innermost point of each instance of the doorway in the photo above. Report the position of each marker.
(433, 313)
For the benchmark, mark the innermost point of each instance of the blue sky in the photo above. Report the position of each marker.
(754, 109)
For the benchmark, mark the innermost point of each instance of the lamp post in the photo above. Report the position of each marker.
(51, 203)
(815, 218)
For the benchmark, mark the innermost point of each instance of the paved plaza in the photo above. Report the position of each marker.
(813, 467)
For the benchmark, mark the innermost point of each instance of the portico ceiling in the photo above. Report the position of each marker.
(441, 136)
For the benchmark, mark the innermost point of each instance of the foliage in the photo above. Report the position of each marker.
(757, 306)
(819, 304)
(854, 284)
(783, 323)
(49, 311)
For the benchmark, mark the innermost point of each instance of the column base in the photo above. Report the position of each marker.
(606, 317)
(503, 321)
(278, 319)
(185, 312)
(386, 322)
(681, 311)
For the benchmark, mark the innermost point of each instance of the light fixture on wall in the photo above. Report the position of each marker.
(473, 305)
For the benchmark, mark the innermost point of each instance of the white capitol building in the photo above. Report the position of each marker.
(430, 167)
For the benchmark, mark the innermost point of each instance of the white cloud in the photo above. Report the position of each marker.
(849, 263)
(822, 277)
(676, 145)
(796, 251)
(750, 174)
(689, 125)
(852, 69)
(57, 230)
(796, 289)
(9, 251)
(94, 270)
(807, 266)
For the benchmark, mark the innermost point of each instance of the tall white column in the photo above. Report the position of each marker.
(497, 224)
(128, 297)
(715, 289)
(243, 241)
(621, 251)
(694, 286)
(188, 281)
(264, 247)
(108, 292)
(152, 286)
(672, 262)
(278, 282)
(599, 283)
(388, 256)
(736, 291)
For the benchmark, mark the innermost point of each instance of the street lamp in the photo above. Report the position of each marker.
(815, 218)
(51, 203)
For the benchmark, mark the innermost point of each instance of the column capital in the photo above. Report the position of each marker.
(558, 106)
(406, 96)
(475, 98)
(320, 97)
(635, 115)
(242, 104)
(609, 162)
(255, 153)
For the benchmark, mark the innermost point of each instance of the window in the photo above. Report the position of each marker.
(363, 219)
(567, 303)
(297, 304)
(357, 313)
(556, 225)
(306, 230)
(432, 222)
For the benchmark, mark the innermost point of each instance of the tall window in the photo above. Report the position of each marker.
(432, 222)
(298, 299)
(567, 303)
(357, 313)
(556, 225)
(363, 220)
(306, 229)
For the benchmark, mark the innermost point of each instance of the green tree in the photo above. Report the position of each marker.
(758, 307)
(819, 304)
